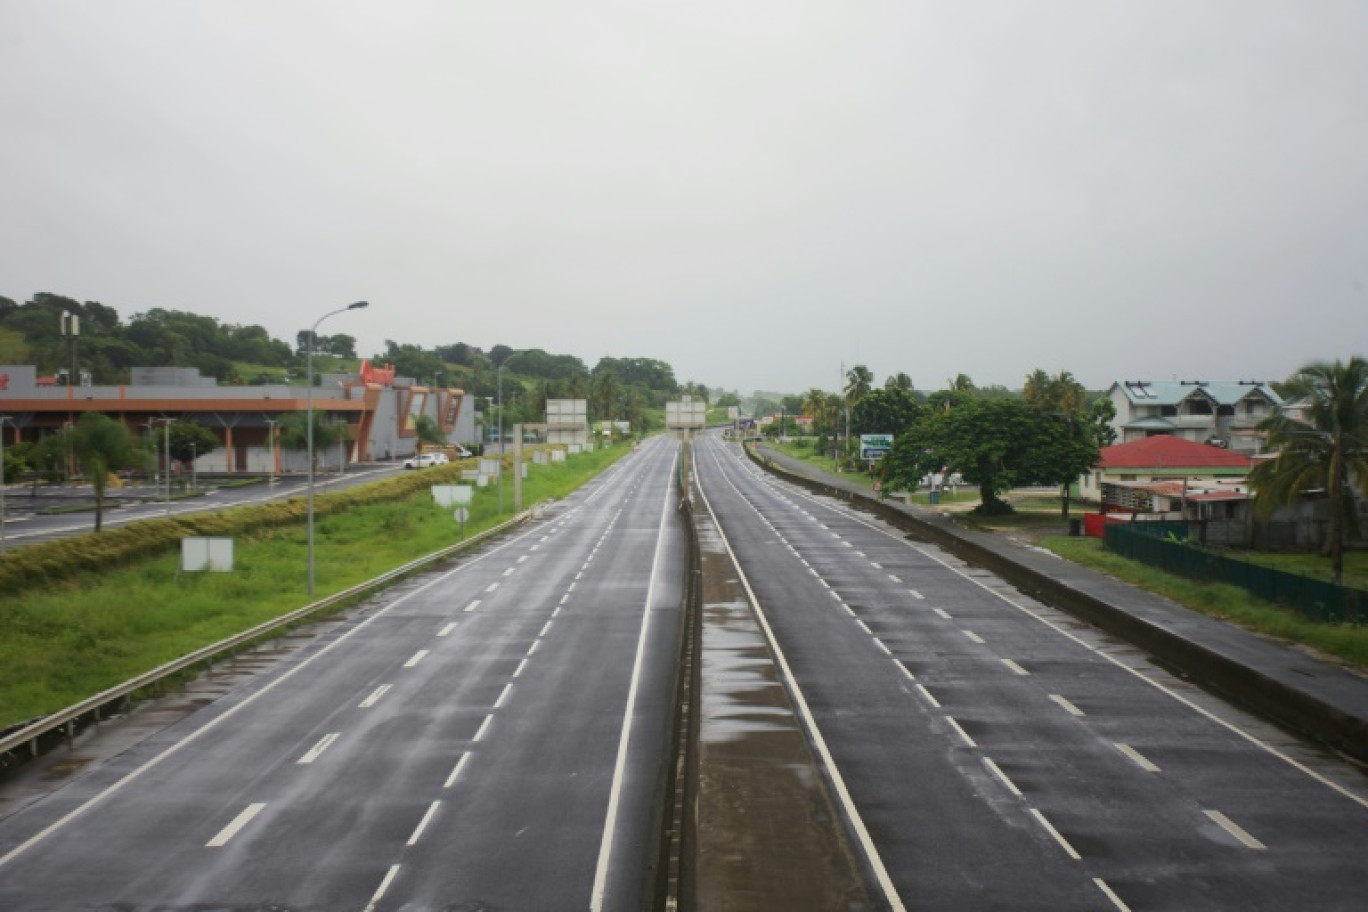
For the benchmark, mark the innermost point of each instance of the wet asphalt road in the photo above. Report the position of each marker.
(26, 524)
(1001, 756)
(491, 737)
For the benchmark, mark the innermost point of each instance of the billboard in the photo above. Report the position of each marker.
(875, 446)
(686, 414)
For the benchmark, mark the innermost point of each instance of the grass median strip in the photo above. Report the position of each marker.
(79, 634)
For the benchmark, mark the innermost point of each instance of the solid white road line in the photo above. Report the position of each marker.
(533, 648)
(484, 727)
(864, 626)
(545, 628)
(1068, 707)
(600, 887)
(880, 643)
(417, 657)
(519, 670)
(962, 733)
(422, 824)
(374, 697)
(384, 886)
(231, 830)
(456, 770)
(848, 610)
(1049, 828)
(993, 768)
(1016, 669)
(1136, 757)
(317, 750)
(1234, 829)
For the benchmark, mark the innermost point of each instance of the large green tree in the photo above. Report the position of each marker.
(996, 444)
(891, 410)
(1326, 451)
(1089, 426)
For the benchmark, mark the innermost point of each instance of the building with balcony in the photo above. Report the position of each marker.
(1224, 413)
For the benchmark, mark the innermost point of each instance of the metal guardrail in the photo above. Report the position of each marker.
(91, 706)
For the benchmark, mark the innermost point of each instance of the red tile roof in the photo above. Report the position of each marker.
(1168, 452)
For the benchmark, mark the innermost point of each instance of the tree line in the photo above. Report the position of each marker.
(626, 389)
(1048, 434)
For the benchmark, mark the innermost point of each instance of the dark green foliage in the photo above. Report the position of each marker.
(996, 444)
(891, 410)
(1328, 451)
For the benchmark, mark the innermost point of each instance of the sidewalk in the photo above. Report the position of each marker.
(1313, 698)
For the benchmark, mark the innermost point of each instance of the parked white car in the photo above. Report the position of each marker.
(425, 460)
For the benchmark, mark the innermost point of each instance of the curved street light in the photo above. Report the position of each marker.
(309, 378)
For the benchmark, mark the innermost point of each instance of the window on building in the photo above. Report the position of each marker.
(1199, 407)
(1168, 411)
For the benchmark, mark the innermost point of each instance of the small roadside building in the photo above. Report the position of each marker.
(1157, 460)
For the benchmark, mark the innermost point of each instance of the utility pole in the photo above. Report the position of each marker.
(4, 419)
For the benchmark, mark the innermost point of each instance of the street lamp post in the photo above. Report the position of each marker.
(502, 365)
(4, 419)
(309, 378)
(270, 449)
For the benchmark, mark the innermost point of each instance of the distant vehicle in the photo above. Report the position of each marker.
(425, 460)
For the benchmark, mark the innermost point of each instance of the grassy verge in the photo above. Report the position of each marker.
(1229, 603)
(68, 640)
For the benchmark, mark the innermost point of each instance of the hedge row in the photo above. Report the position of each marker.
(67, 559)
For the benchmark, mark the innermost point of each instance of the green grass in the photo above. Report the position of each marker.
(1220, 600)
(67, 641)
(1311, 564)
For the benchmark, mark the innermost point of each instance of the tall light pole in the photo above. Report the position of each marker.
(71, 328)
(4, 419)
(309, 378)
(502, 365)
(270, 448)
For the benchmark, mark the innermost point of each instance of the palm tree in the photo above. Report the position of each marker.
(815, 406)
(898, 381)
(1327, 451)
(427, 430)
(859, 381)
(102, 445)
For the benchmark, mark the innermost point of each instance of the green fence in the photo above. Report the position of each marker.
(1314, 599)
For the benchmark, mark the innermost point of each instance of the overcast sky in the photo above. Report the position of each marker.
(752, 191)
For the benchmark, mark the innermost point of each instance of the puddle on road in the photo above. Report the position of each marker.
(768, 836)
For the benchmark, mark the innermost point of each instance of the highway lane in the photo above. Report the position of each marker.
(1002, 756)
(25, 525)
(493, 736)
